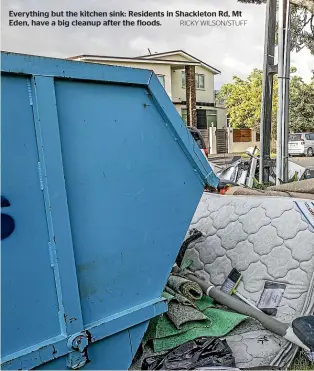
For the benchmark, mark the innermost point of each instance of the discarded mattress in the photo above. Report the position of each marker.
(271, 242)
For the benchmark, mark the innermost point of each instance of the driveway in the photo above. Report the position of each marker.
(303, 161)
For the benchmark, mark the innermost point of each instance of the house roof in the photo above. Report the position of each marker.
(106, 58)
(151, 58)
(184, 54)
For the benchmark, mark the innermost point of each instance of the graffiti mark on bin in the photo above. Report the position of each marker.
(7, 222)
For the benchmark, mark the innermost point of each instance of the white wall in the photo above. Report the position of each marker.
(202, 95)
(233, 147)
(178, 93)
(159, 69)
(240, 147)
(221, 118)
(173, 78)
(221, 114)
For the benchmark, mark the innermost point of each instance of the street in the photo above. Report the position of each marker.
(303, 161)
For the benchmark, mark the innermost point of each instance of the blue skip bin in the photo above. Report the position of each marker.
(100, 180)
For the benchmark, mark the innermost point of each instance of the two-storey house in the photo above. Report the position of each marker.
(188, 81)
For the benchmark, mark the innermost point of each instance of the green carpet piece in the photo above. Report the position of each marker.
(166, 336)
(181, 314)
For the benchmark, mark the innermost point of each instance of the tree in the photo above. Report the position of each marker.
(243, 102)
(302, 23)
(301, 105)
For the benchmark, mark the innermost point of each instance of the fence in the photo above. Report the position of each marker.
(242, 135)
(238, 140)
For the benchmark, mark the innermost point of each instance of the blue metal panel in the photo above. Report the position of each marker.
(112, 353)
(126, 319)
(29, 302)
(134, 161)
(48, 141)
(55, 348)
(118, 182)
(180, 132)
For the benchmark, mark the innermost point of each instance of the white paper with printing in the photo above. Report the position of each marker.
(307, 209)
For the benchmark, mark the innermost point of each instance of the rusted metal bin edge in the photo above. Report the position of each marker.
(23, 64)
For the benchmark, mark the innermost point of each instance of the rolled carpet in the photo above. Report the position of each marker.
(302, 186)
(182, 286)
(241, 191)
(171, 295)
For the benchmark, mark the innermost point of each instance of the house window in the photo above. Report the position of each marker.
(183, 79)
(199, 80)
(161, 78)
(184, 115)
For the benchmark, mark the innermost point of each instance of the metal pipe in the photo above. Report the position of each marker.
(270, 323)
(281, 22)
(292, 333)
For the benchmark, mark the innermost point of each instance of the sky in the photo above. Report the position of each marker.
(232, 50)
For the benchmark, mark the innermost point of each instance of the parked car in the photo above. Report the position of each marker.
(301, 144)
(197, 136)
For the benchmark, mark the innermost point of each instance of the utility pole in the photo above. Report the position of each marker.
(267, 98)
(286, 97)
(283, 91)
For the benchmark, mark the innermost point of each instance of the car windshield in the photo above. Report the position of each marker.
(294, 137)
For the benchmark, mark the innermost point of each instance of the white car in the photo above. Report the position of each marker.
(301, 144)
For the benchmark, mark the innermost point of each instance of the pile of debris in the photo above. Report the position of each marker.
(245, 172)
(241, 178)
(193, 334)
(209, 323)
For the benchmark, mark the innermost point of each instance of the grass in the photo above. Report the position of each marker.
(301, 362)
